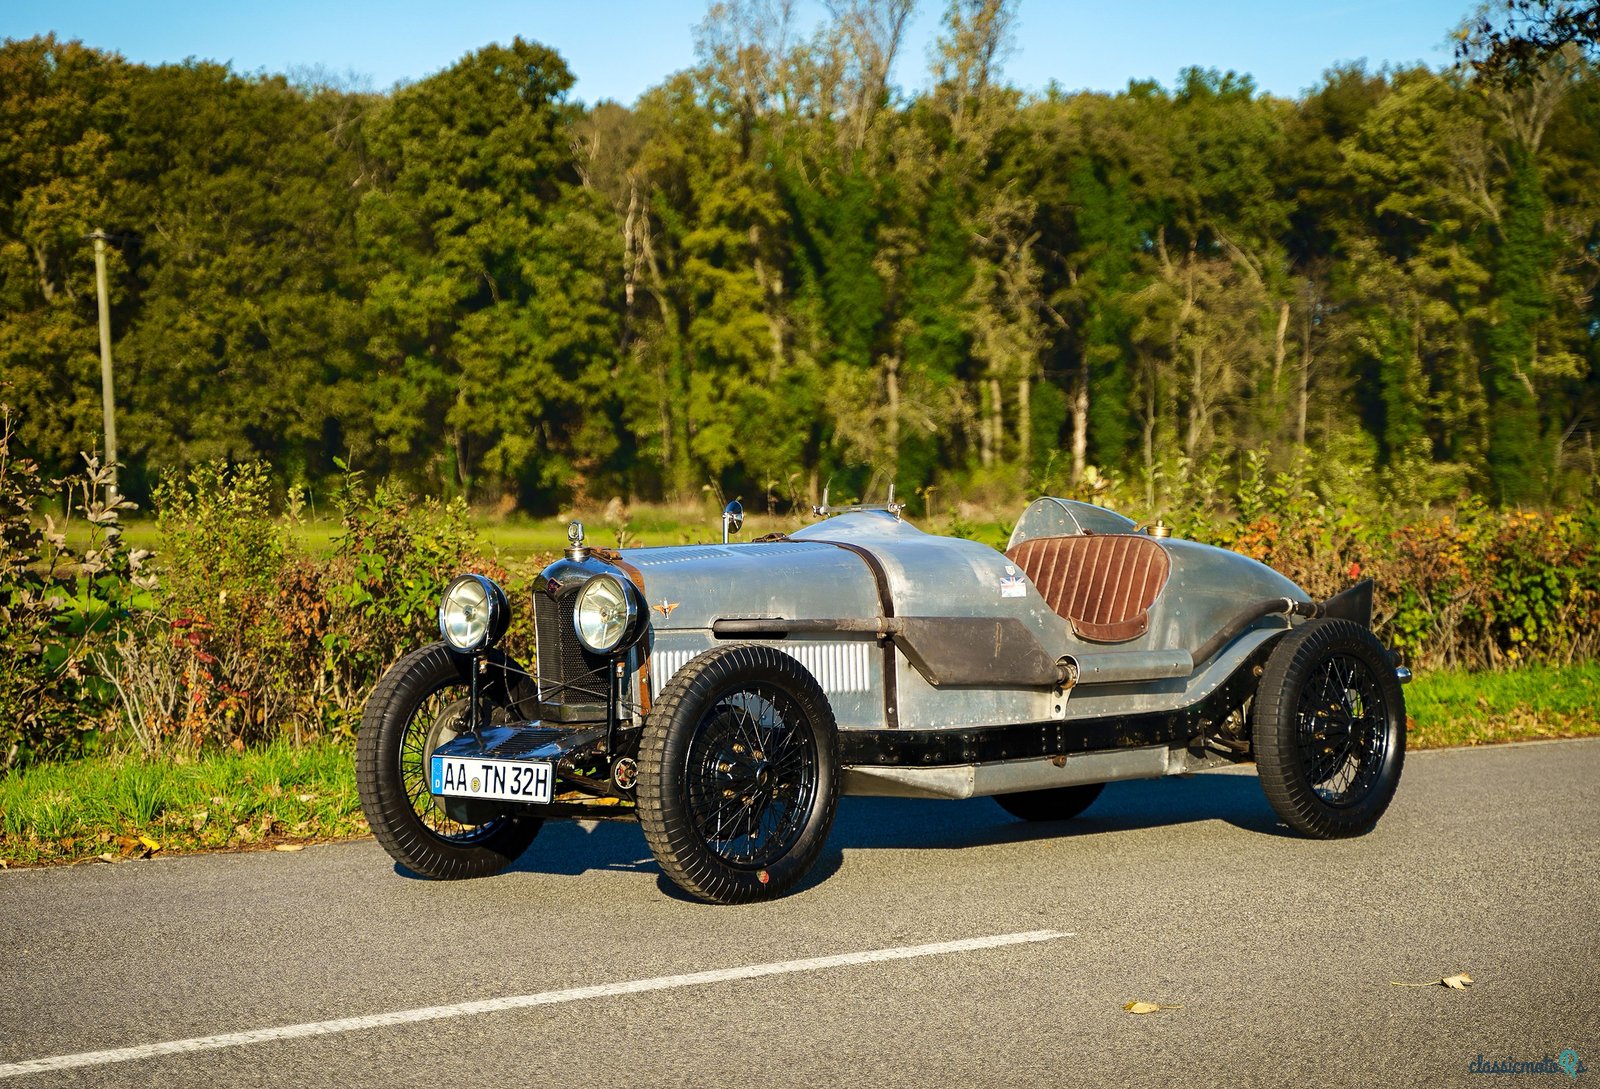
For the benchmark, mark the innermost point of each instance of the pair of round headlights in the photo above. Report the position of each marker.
(473, 614)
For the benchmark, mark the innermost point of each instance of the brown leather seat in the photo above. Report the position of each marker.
(1103, 585)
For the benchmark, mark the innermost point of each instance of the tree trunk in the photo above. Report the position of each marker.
(985, 427)
(1080, 422)
(46, 288)
(1305, 379)
(630, 249)
(674, 400)
(997, 422)
(771, 293)
(892, 382)
(1148, 439)
(1197, 405)
(1279, 349)
(1025, 420)
(463, 477)
(675, 466)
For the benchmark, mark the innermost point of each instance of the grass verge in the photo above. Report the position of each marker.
(115, 807)
(1449, 708)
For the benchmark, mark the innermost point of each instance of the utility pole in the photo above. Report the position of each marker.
(107, 394)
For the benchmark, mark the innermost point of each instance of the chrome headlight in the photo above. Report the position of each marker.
(606, 614)
(473, 614)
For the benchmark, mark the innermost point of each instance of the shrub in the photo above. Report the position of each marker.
(382, 588)
(250, 639)
(1469, 588)
(223, 558)
(57, 608)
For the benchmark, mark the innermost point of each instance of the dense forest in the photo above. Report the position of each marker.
(777, 270)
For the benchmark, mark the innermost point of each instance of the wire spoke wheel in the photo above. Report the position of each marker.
(1342, 730)
(738, 774)
(422, 703)
(751, 775)
(1329, 729)
(439, 718)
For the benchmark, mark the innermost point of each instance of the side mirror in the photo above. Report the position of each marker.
(732, 520)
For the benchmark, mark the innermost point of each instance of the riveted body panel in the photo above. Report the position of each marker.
(819, 573)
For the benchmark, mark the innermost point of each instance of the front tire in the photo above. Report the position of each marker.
(421, 702)
(738, 774)
(1330, 729)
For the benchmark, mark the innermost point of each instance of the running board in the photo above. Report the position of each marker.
(1011, 776)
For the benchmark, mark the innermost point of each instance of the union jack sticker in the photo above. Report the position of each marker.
(1013, 586)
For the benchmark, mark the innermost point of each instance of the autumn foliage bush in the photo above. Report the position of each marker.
(235, 635)
(252, 639)
(1468, 587)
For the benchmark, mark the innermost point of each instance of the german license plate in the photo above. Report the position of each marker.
(504, 780)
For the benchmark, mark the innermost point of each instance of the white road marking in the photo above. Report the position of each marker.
(519, 1002)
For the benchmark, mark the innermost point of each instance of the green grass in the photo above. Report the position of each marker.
(1448, 708)
(518, 538)
(118, 806)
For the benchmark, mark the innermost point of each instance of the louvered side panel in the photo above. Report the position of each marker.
(838, 667)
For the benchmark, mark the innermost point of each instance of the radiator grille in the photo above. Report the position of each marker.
(567, 672)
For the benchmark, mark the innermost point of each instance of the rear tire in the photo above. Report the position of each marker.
(738, 774)
(1054, 804)
(418, 704)
(1330, 729)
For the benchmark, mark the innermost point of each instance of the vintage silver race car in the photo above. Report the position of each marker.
(725, 695)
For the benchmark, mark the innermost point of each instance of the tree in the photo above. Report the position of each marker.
(61, 105)
(1510, 42)
(470, 167)
(241, 343)
(777, 269)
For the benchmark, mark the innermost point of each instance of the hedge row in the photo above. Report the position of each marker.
(236, 635)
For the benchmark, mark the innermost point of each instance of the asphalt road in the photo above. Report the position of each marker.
(1279, 950)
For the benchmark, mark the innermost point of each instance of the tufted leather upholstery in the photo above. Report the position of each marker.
(1103, 585)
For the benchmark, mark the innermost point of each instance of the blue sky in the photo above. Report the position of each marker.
(617, 48)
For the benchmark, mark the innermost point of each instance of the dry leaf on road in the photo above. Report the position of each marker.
(1458, 982)
(1147, 1007)
(290, 847)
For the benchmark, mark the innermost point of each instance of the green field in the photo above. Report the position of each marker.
(519, 539)
(513, 540)
(124, 806)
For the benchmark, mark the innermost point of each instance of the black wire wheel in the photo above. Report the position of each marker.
(738, 774)
(422, 702)
(1329, 727)
(1052, 804)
